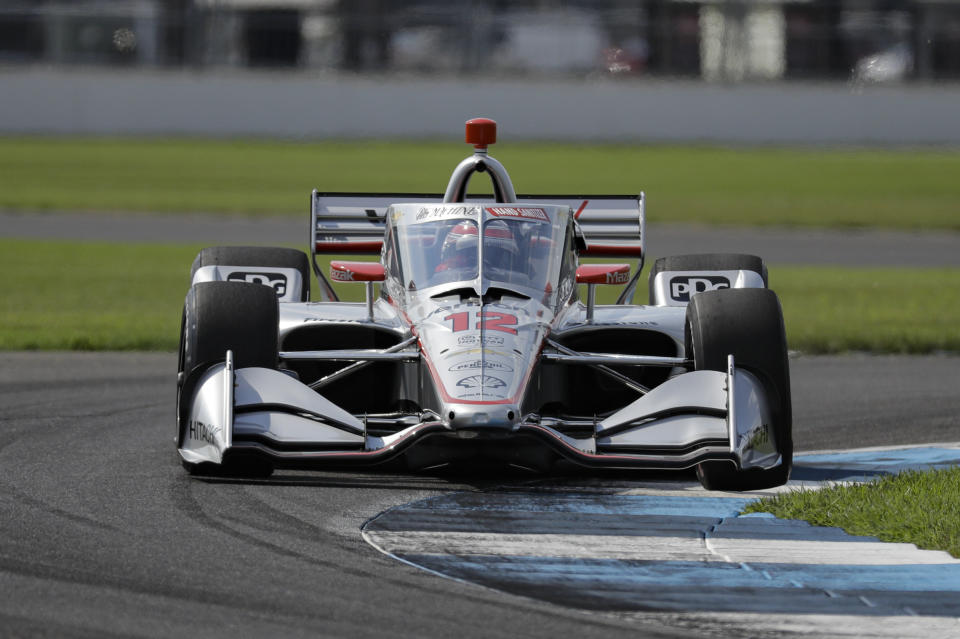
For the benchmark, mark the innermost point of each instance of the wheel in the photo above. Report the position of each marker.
(222, 316)
(263, 257)
(707, 262)
(747, 323)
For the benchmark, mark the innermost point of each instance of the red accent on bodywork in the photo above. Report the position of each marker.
(356, 271)
(612, 250)
(481, 132)
(580, 210)
(603, 274)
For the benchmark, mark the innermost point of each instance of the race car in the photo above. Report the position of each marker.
(474, 345)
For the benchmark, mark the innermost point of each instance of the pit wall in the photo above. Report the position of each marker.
(309, 106)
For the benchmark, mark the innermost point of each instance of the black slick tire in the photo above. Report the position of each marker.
(217, 317)
(256, 257)
(747, 323)
(221, 316)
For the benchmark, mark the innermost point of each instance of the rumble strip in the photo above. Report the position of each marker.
(674, 553)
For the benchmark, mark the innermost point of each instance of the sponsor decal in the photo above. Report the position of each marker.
(477, 340)
(683, 287)
(478, 351)
(395, 291)
(478, 364)
(338, 320)
(278, 281)
(521, 212)
(486, 395)
(481, 382)
(199, 431)
(618, 278)
(341, 276)
(434, 212)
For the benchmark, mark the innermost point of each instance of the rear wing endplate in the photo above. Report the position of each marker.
(355, 223)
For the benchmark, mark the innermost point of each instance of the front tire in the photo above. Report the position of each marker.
(221, 316)
(217, 317)
(747, 323)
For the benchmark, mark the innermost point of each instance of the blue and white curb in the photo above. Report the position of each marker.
(674, 552)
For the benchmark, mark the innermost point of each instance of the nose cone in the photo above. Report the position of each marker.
(482, 417)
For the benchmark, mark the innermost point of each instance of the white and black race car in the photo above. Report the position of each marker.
(476, 345)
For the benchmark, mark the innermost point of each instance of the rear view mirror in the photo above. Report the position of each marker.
(366, 272)
(603, 274)
(341, 271)
(593, 274)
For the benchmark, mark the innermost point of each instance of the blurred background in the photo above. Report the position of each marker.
(728, 71)
(823, 134)
(653, 69)
(730, 41)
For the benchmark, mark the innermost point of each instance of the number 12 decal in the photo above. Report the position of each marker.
(487, 320)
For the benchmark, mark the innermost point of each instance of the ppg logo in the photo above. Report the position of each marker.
(278, 281)
(682, 288)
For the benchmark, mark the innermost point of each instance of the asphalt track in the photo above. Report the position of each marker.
(849, 247)
(102, 533)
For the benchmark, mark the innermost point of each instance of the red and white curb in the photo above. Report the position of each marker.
(672, 552)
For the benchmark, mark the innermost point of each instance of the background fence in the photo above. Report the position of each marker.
(729, 40)
(754, 71)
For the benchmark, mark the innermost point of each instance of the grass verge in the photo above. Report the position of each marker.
(62, 295)
(921, 508)
(105, 296)
(889, 310)
(825, 188)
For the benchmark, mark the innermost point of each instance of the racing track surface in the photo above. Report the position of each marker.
(863, 247)
(102, 534)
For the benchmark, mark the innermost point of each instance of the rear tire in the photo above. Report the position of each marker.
(222, 316)
(256, 256)
(704, 262)
(747, 323)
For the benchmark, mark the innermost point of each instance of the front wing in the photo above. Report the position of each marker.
(691, 418)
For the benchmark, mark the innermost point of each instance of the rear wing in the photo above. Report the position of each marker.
(355, 223)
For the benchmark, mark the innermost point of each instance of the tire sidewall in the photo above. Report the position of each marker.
(747, 323)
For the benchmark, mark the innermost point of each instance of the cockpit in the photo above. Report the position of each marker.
(514, 247)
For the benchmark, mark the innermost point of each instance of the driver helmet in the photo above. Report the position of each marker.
(459, 248)
(499, 246)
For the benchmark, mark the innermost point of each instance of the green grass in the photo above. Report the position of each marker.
(892, 310)
(921, 508)
(69, 295)
(59, 295)
(62, 295)
(826, 188)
